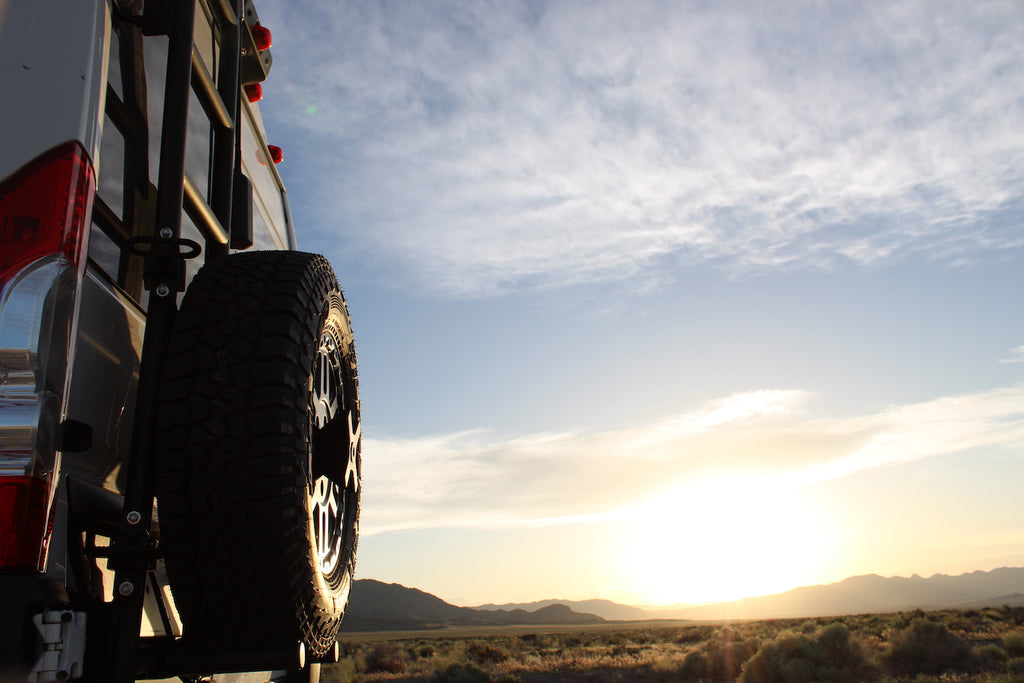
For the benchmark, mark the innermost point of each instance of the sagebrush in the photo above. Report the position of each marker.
(979, 645)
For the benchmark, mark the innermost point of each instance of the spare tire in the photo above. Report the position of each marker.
(259, 455)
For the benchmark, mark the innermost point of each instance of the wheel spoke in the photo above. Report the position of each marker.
(352, 466)
(326, 383)
(333, 491)
(327, 524)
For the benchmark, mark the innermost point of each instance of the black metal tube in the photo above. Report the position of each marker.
(171, 180)
(224, 139)
(130, 576)
(224, 9)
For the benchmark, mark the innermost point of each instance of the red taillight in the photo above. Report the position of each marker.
(45, 208)
(24, 522)
(261, 35)
(45, 213)
(254, 92)
(276, 153)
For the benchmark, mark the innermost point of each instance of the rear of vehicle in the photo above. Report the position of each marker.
(179, 417)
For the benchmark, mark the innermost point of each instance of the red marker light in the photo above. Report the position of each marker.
(254, 91)
(261, 35)
(276, 154)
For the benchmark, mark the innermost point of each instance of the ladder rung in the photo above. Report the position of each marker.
(208, 96)
(202, 215)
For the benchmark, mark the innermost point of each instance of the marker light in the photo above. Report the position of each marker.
(254, 92)
(261, 35)
(276, 154)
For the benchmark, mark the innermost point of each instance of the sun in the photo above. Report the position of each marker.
(725, 538)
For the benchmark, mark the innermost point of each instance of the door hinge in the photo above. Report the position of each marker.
(63, 636)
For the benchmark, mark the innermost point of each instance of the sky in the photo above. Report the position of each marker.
(669, 302)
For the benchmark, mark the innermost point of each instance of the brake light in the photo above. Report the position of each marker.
(24, 522)
(45, 208)
(45, 214)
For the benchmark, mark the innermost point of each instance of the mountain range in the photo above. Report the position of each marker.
(868, 593)
(377, 606)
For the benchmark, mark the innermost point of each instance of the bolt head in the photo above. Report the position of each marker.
(134, 517)
(166, 233)
(126, 588)
(162, 290)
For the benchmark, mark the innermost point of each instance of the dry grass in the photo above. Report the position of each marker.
(985, 646)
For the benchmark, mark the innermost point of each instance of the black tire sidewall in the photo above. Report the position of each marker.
(233, 464)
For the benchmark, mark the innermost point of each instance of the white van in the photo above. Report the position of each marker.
(179, 412)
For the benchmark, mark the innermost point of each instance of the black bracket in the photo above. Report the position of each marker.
(164, 259)
(122, 556)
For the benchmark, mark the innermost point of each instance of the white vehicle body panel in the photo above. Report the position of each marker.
(59, 72)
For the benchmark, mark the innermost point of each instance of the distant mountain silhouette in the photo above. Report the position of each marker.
(603, 608)
(872, 593)
(377, 606)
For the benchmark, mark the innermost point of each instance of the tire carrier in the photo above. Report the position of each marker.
(121, 653)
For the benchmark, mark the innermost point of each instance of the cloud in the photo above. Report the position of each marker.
(954, 424)
(481, 480)
(1016, 356)
(504, 145)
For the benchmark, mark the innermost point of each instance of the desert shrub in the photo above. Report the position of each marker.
(483, 652)
(1013, 613)
(1013, 643)
(718, 659)
(991, 657)
(844, 651)
(386, 658)
(341, 672)
(538, 641)
(831, 655)
(426, 651)
(726, 659)
(614, 638)
(695, 634)
(461, 673)
(567, 641)
(1017, 666)
(927, 647)
(693, 667)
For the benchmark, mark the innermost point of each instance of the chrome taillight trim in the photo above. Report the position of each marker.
(37, 307)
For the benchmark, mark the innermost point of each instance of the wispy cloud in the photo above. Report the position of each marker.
(501, 145)
(478, 479)
(1016, 356)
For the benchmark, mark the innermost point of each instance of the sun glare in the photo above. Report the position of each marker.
(723, 539)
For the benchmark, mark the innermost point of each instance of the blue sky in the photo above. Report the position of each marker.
(646, 291)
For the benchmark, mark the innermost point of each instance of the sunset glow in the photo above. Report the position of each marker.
(669, 302)
(726, 538)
